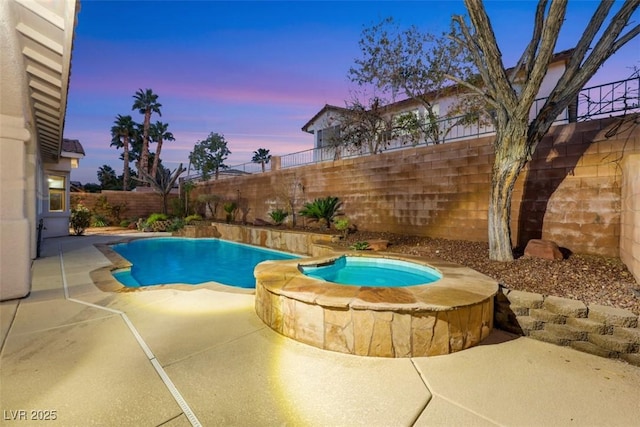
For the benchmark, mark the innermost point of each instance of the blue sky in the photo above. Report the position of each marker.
(253, 71)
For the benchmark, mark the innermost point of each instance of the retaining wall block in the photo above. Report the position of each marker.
(565, 307)
(591, 348)
(612, 343)
(518, 310)
(632, 358)
(613, 316)
(528, 323)
(547, 316)
(631, 334)
(590, 326)
(550, 337)
(566, 331)
(525, 299)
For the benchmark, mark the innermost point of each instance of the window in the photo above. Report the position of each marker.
(57, 195)
(329, 137)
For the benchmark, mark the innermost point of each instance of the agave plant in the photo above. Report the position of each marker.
(278, 216)
(322, 210)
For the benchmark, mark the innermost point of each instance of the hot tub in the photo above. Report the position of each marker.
(446, 315)
(371, 271)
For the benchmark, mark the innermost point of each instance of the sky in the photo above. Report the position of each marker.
(254, 72)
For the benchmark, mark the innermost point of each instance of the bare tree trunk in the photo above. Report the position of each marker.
(510, 157)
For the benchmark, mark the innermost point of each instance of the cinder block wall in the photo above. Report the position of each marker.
(569, 192)
(137, 204)
(630, 216)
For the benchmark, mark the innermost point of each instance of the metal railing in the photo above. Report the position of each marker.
(595, 102)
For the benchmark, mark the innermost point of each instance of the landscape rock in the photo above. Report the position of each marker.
(545, 249)
(378, 244)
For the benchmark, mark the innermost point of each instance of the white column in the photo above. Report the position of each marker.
(15, 228)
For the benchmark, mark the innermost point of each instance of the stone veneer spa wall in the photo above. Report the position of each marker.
(449, 315)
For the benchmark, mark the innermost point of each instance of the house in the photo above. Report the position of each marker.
(36, 40)
(326, 124)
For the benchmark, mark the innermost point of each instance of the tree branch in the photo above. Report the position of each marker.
(634, 32)
(537, 71)
(585, 41)
(530, 51)
(495, 78)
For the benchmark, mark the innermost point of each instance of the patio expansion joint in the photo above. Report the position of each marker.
(150, 356)
(13, 319)
(424, 382)
(445, 398)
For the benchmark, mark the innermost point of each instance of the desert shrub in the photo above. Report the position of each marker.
(125, 223)
(209, 202)
(278, 216)
(80, 219)
(342, 225)
(322, 210)
(359, 246)
(154, 217)
(230, 209)
(192, 218)
(177, 207)
(99, 221)
(108, 213)
(176, 224)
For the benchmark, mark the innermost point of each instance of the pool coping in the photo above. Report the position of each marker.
(459, 286)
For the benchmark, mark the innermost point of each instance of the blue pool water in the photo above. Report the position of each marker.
(376, 272)
(167, 260)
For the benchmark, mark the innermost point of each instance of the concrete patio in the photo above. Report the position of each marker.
(202, 357)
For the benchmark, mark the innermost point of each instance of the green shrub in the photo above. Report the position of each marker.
(322, 210)
(192, 218)
(359, 246)
(230, 209)
(177, 207)
(80, 219)
(108, 213)
(154, 217)
(125, 223)
(99, 221)
(342, 225)
(177, 224)
(278, 216)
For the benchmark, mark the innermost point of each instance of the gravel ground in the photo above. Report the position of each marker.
(588, 278)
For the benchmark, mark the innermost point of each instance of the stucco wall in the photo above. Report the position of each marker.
(569, 192)
(630, 216)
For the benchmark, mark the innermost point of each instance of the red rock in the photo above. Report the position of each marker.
(546, 249)
(378, 244)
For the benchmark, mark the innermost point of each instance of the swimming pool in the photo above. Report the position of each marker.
(167, 260)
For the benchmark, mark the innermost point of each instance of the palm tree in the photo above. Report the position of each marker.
(159, 134)
(107, 177)
(262, 156)
(146, 103)
(121, 132)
